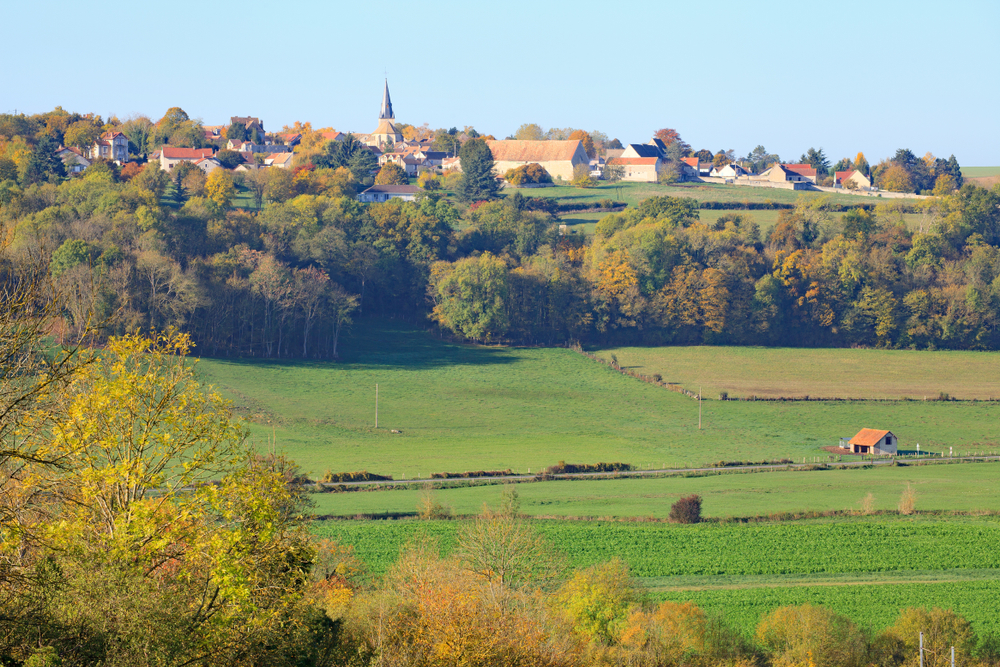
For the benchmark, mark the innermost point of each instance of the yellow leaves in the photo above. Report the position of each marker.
(615, 274)
(219, 188)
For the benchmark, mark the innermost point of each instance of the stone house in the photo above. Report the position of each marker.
(789, 173)
(639, 169)
(110, 146)
(559, 158)
(73, 159)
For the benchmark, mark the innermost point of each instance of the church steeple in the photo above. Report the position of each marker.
(386, 113)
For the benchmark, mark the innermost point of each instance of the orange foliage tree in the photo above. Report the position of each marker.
(391, 174)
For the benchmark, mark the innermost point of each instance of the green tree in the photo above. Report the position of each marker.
(470, 296)
(237, 132)
(229, 159)
(479, 181)
(817, 160)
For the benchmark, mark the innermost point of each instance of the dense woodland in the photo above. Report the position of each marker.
(137, 250)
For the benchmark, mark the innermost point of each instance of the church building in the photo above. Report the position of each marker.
(386, 134)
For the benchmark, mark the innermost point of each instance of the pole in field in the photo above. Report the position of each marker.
(952, 656)
(699, 408)
(376, 406)
(921, 649)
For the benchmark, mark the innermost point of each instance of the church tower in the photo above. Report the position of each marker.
(386, 113)
(386, 134)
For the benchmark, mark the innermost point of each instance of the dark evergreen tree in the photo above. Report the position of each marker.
(479, 181)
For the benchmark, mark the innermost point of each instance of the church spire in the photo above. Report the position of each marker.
(386, 113)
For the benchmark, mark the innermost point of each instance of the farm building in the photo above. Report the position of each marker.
(790, 173)
(559, 158)
(641, 169)
(872, 441)
(382, 193)
(845, 179)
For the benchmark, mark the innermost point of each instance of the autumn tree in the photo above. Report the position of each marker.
(586, 140)
(529, 132)
(81, 134)
(391, 174)
(813, 635)
(895, 178)
(861, 164)
(670, 137)
(220, 189)
(597, 601)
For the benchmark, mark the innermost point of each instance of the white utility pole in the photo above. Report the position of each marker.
(376, 406)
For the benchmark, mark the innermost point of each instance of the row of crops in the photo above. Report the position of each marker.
(872, 606)
(662, 550)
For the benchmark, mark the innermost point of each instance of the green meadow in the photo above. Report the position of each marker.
(462, 407)
(967, 487)
(980, 172)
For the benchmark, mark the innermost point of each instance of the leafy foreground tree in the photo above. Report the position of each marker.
(154, 537)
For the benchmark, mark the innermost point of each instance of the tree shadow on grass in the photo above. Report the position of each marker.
(382, 343)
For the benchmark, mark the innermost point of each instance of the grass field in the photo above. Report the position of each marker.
(980, 172)
(845, 373)
(866, 568)
(633, 193)
(965, 487)
(462, 407)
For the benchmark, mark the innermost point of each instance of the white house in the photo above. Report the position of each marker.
(110, 146)
(872, 441)
(170, 156)
(73, 159)
(380, 193)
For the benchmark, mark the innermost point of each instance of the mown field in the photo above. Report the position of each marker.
(962, 487)
(980, 172)
(827, 373)
(866, 568)
(461, 407)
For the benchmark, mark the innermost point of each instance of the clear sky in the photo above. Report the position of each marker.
(842, 75)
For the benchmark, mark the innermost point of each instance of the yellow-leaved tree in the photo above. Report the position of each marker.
(148, 526)
(219, 188)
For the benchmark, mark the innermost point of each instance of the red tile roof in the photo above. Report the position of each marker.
(175, 153)
(801, 169)
(690, 161)
(842, 176)
(868, 437)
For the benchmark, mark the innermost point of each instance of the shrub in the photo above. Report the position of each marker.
(562, 468)
(908, 500)
(686, 510)
(527, 173)
(581, 177)
(808, 635)
(362, 476)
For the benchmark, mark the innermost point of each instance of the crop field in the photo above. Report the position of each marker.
(744, 570)
(461, 407)
(795, 372)
(963, 487)
(873, 606)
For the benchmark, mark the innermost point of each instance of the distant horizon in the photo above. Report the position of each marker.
(727, 76)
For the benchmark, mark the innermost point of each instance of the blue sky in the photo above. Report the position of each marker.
(845, 76)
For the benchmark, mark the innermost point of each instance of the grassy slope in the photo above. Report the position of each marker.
(979, 172)
(463, 407)
(828, 373)
(966, 487)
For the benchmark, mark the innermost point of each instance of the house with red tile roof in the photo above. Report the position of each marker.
(73, 159)
(279, 160)
(170, 156)
(872, 441)
(852, 179)
(208, 164)
(559, 158)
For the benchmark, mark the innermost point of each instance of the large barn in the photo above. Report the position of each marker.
(559, 158)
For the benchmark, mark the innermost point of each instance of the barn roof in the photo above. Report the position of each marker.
(512, 150)
(868, 437)
(802, 169)
(175, 153)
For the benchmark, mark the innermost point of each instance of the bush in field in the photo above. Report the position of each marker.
(908, 500)
(361, 476)
(808, 635)
(686, 510)
(597, 600)
(527, 173)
